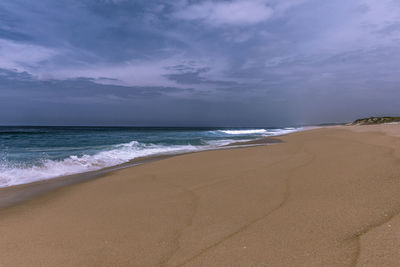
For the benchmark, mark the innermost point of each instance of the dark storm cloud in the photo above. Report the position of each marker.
(239, 62)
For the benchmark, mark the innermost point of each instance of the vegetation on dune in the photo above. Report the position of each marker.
(376, 120)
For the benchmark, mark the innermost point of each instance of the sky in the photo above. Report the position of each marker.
(198, 62)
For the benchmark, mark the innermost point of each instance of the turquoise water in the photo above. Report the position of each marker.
(30, 154)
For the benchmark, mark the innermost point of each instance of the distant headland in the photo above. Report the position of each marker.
(375, 120)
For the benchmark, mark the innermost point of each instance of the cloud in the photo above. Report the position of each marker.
(23, 57)
(236, 12)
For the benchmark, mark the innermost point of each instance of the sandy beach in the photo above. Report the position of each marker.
(322, 197)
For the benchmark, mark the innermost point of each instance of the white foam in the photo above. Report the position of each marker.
(262, 132)
(12, 174)
(224, 142)
(242, 132)
(275, 132)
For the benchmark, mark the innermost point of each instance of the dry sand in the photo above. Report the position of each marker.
(324, 197)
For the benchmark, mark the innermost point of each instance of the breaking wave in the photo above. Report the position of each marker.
(19, 173)
(262, 132)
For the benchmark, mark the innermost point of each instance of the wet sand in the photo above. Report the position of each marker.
(323, 197)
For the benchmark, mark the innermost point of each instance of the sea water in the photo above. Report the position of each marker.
(29, 154)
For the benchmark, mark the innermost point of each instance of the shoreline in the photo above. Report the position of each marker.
(49, 159)
(15, 194)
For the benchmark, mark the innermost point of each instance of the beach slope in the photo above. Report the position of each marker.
(323, 197)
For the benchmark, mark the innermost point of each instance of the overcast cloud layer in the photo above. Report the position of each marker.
(225, 63)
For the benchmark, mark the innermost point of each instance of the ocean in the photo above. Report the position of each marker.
(29, 154)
